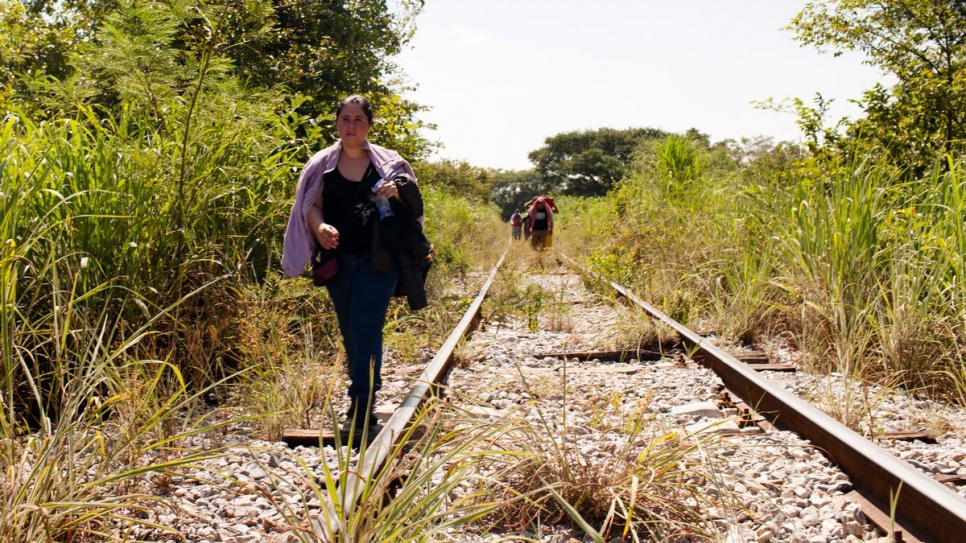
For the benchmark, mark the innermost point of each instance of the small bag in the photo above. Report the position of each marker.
(325, 267)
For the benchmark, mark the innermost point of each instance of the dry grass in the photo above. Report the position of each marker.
(640, 491)
(852, 401)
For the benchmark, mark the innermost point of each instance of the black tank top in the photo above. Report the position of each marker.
(540, 220)
(348, 206)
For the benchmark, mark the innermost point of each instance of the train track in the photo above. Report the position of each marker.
(379, 450)
(925, 510)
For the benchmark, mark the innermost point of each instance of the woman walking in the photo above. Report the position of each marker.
(335, 214)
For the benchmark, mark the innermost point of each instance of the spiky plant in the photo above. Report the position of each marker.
(426, 490)
(546, 477)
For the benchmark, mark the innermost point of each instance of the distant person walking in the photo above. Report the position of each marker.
(541, 210)
(516, 221)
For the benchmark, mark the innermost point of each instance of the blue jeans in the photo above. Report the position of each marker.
(361, 297)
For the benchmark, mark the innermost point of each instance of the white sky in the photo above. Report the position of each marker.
(500, 76)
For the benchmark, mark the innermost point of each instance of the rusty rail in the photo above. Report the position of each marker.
(386, 441)
(925, 508)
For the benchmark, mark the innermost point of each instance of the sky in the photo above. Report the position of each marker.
(501, 76)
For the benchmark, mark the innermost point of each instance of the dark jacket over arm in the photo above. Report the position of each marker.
(402, 236)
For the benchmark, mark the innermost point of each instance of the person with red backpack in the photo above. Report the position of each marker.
(516, 221)
(541, 210)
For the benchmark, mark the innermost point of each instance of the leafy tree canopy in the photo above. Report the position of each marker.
(511, 189)
(588, 163)
(29, 46)
(920, 42)
(107, 51)
(456, 177)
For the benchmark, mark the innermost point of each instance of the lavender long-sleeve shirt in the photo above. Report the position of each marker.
(300, 241)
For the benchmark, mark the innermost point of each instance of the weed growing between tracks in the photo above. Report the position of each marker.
(637, 331)
(640, 491)
(513, 296)
(428, 489)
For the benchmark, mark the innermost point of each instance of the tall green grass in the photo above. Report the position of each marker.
(878, 264)
(857, 267)
(835, 248)
(84, 418)
(654, 234)
(99, 200)
(112, 320)
(464, 233)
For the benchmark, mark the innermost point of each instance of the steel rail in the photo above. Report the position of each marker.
(385, 442)
(927, 509)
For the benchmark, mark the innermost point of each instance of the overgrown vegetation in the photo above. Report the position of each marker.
(850, 248)
(855, 265)
(148, 165)
(148, 157)
(547, 477)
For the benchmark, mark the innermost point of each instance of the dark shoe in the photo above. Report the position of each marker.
(358, 422)
(351, 425)
(371, 432)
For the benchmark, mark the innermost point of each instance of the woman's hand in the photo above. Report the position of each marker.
(388, 189)
(328, 236)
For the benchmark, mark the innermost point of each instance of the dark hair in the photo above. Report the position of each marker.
(360, 101)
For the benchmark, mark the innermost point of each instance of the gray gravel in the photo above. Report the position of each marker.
(770, 487)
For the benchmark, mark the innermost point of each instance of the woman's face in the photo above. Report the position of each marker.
(353, 125)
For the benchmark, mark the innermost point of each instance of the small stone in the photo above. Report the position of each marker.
(792, 511)
(696, 410)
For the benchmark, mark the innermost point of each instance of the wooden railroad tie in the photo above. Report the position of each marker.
(620, 356)
(295, 437)
(747, 415)
(917, 435)
(759, 361)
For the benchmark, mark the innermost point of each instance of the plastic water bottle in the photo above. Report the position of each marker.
(382, 203)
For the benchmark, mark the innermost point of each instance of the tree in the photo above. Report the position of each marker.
(511, 189)
(326, 49)
(322, 50)
(588, 163)
(456, 177)
(920, 42)
(30, 47)
(766, 163)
